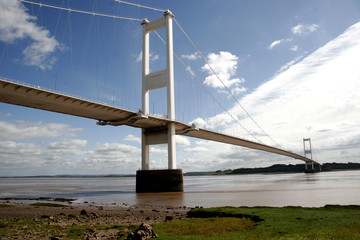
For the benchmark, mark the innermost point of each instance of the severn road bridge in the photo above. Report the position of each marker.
(155, 130)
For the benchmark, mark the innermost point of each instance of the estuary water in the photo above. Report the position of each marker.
(296, 189)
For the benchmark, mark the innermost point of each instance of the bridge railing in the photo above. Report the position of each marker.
(5, 79)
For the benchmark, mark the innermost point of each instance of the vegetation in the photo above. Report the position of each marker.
(5, 205)
(330, 222)
(43, 228)
(281, 168)
(208, 227)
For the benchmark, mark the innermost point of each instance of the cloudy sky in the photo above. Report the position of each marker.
(288, 71)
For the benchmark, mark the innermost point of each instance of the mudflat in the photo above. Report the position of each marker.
(46, 220)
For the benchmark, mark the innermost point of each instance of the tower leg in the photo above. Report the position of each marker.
(171, 147)
(145, 153)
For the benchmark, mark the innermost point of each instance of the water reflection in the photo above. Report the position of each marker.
(161, 199)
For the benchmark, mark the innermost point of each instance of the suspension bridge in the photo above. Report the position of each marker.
(155, 129)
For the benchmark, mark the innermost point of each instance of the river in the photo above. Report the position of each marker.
(277, 190)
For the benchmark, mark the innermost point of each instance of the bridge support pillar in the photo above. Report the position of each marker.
(168, 180)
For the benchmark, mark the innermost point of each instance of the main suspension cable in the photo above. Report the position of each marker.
(81, 11)
(140, 6)
(217, 76)
(207, 91)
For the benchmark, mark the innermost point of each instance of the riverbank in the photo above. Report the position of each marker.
(44, 220)
(51, 220)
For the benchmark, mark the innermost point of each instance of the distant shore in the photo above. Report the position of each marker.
(281, 168)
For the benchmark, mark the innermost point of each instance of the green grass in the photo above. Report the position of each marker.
(330, 222)
(38, 229)
(5, 205)
(205, 227)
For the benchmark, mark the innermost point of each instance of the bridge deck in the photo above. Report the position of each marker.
(22, 94)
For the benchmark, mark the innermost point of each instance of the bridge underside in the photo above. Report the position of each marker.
(35, 97)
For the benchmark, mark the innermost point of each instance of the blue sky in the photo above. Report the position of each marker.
(293, 65)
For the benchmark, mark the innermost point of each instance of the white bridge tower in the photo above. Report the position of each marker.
(158, 180)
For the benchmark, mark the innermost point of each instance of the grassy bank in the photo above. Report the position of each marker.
(330, 222)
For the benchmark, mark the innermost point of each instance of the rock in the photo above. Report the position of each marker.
(169, 218)
(55, 238)
(70, 216)
(83, 212)
(144, 231)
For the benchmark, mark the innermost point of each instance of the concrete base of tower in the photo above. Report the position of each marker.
(169, 180)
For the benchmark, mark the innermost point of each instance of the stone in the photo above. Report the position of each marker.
(83, 212)
(144, 231)
(55, 238)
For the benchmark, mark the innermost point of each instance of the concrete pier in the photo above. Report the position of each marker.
(169, 180)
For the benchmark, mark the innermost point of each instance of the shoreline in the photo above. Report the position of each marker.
(54, 220)
(125, 214)
(28, 219)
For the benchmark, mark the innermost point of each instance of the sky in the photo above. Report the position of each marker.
(291, 71)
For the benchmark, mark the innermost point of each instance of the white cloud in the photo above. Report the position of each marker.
(199, 122)
(303, 30)
(44, 158)
(278, 42)
(152, 57)
(188, 68)
(182, 141)
(294, 48)
(193, 56)
(289, 64)
(39, 155)
(225, 66)
(315, 97)
(114, 150)
(238, 90)
(196, 149)
(132, 138)
(19, 130)
(139, 57)
(17, 24)
(220, 120)
(67, 144)
(158, 150)
(58, 151)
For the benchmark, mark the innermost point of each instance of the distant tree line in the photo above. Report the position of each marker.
(283, 168)
(297, 168)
